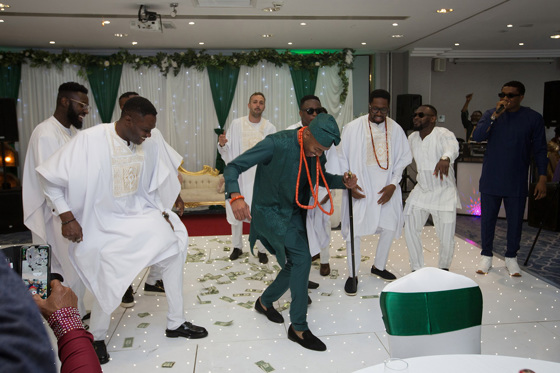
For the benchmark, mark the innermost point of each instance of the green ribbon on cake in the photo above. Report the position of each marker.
(431, 312)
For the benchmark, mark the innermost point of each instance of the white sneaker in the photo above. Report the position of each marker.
(513, 267)
(484, 265)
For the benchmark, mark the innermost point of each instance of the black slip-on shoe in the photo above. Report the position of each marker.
(385, 275)
(263, 258)
(308, 341)
(351, 286)
(128, 298)
(270, 312)
(158, 288)
(101, 351)
(187, 330)
(236, 253)
(312, 285)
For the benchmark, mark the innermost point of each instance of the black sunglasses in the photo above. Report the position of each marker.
(421, 115)
(508, 95)
(319, 110)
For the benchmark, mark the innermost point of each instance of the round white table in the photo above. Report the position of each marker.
(470, 364)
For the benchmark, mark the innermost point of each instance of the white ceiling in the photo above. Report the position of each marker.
(479, 26)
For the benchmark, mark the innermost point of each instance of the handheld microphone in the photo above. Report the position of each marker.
(500, 109)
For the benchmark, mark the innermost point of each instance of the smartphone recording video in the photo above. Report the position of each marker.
(32, 263)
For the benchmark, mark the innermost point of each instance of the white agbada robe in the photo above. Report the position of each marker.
(318, 223)
(117, 193)
(49, 136)
(242, 135)
(431, 195)
(356, 155)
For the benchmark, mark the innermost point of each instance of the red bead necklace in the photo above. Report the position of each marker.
(386, 145)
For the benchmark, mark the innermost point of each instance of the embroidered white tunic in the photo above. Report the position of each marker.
(117, 193)
(357, 155)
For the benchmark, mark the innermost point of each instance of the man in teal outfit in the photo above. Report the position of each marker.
(278, 220)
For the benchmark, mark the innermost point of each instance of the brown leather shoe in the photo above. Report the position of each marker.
(325, 269)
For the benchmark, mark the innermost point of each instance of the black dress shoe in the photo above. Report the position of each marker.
(128, 298)
(187, 330)
(101, 351)
(236, 253)
(270, 312)
(308, 341)
(385, 275)
(312, 285)
(309, 301)
(351, 286)
(263, 258)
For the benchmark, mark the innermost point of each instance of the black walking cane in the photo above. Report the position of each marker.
(351, 215)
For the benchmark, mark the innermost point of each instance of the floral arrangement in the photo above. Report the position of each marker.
(189, 58)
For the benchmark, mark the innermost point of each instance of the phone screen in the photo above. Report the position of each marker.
(32, 263)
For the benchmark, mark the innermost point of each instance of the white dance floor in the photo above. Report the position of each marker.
(521, 315)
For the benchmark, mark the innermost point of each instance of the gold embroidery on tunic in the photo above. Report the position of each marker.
(380, 143)
(252, 133)
(126, 164)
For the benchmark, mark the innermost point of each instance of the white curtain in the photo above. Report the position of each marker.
(186, 114)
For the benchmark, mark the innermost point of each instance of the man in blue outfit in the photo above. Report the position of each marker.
(514, 133)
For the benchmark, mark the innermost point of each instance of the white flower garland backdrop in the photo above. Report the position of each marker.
(186, 114)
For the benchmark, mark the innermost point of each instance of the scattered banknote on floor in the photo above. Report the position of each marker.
(168, 364)
(227, 248)
(339, 256)
(364, 258)
(143, 314)
(203, 301)
(223, 282)
(143, 325)
(227, 299)
(334, 274)
(284, 307)
(266, 367)
(242, 295)
(341, 248)
(277, 268)
(247, 305)
(128, 342)
(326, 294)
(370, 296)
(226, 268)
(224, 323)
(254, 290)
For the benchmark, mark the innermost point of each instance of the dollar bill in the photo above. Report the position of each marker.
(226, 268)
(210, 290)
(364, 259)
(341, 248)
(266, 367)
(143, 314)
(227, 299)
(128, 342)
(284, 307)
(326, 294)
(245, 305)
(277, 268)
(227, 248)
(242, 295)
(223, 282)
(224, 323)
(267, 282)
(254, 290)
(370, 296)
(143, 325)
(203, 301)
(334, 274)
(168, 364)
(339, 256)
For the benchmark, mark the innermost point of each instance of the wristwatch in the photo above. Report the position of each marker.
(445, 158)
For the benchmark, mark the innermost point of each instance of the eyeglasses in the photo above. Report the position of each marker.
(84, 105)
(382, 110)
(508, 95)
(319, 110)
(421, 115)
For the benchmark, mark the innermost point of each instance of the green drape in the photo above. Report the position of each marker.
(104, 82)
(10, 77)
(222, 83)
(304, 81)
(432, 312)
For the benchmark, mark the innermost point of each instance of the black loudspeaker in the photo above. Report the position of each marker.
(406, 104)
(546, 209)
(551, 103)
(11, 218)
(8, 120)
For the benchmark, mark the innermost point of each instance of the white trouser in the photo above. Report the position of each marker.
(444, 222)
(155, 273)
(237, 237)
(173, 280)
(325, 254)
(383, 247)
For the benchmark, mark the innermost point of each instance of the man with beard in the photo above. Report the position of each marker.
(434, 150)
(375, 149)
(72, 105)
(244, 133)
(113, 192)
(318, 224)
(469, 124)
